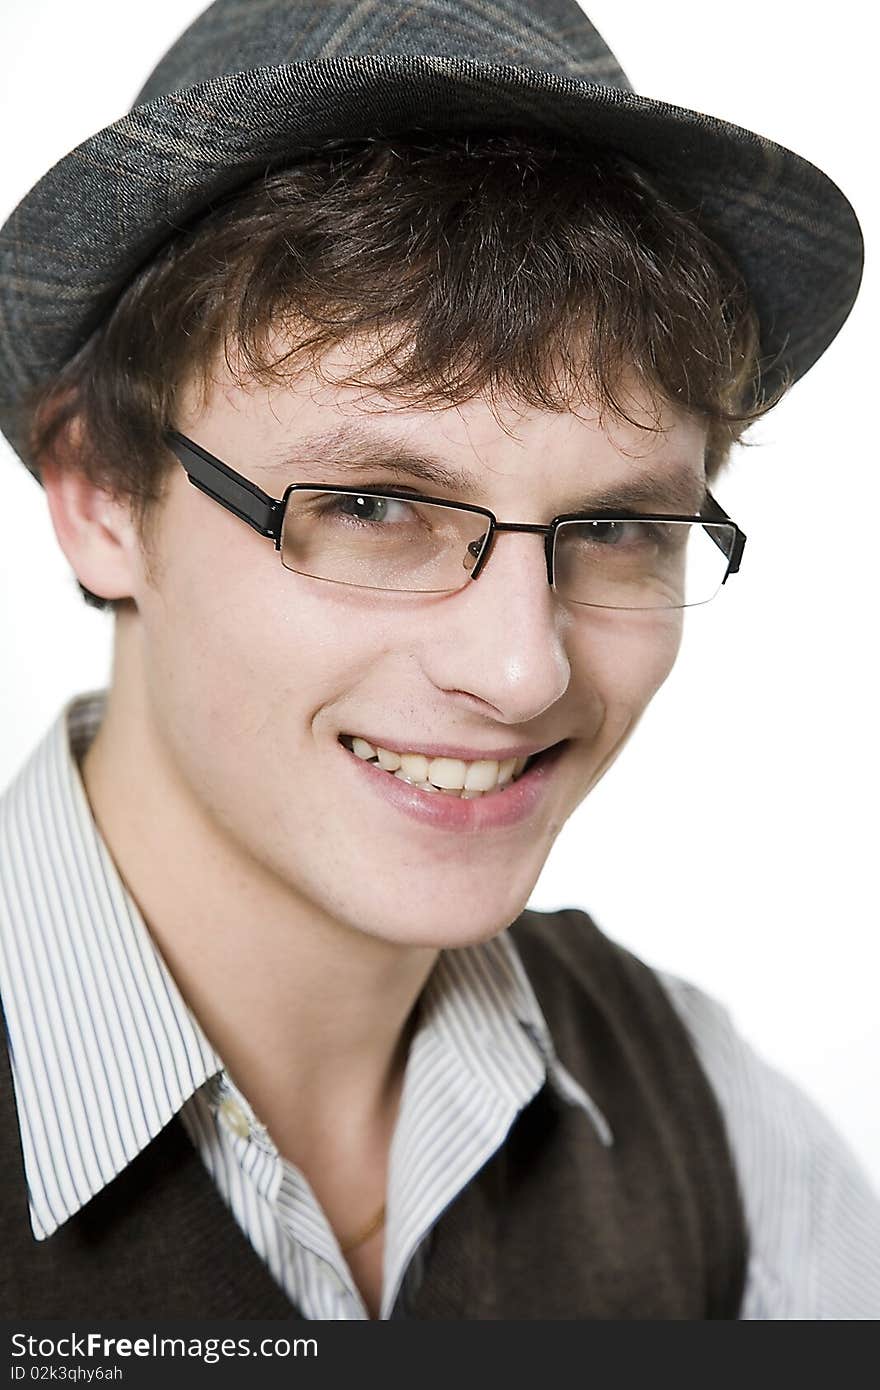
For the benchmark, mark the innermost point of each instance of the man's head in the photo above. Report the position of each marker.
(546, 347)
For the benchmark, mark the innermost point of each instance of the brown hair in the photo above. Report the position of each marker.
(509, 264)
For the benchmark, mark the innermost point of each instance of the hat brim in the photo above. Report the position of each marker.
(76, 239)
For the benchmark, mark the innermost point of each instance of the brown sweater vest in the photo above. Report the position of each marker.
(553, 1226)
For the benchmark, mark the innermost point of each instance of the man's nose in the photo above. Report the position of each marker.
(502, 638)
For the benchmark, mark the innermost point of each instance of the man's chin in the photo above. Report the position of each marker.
(443, 925)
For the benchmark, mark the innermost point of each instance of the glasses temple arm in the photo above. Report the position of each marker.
(240, 496)
(713, 511)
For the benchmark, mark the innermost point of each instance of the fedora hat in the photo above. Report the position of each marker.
(255, 83)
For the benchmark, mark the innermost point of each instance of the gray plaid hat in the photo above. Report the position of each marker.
(253, 82)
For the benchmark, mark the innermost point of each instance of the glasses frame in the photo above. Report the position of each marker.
(265, 514)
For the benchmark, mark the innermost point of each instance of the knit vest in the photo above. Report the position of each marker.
(554, 1225)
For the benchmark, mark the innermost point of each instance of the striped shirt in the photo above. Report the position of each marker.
(104, 1052)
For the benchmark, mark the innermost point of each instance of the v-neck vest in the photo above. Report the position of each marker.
(555, 1225)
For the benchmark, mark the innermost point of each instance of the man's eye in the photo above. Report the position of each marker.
(628, 534)
(614, 533)
(370, 510)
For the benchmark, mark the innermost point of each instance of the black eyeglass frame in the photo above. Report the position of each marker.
(266, 514)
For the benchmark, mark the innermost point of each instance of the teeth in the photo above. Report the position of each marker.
(451, 776)
(414, 766)
(447, 773)
(506, 769)
(481, 776)
(440, 791)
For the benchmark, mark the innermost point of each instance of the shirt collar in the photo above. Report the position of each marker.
(104, 1050)
(102, 1047)
(503, 1030)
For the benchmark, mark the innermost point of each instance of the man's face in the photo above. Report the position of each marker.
(252, 673)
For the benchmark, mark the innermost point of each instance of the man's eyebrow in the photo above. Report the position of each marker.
(349, 451)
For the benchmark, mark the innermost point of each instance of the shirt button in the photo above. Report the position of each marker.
(235, 1117)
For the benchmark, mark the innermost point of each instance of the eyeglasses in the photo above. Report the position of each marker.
(402, 542)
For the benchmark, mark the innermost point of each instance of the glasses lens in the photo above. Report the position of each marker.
(641, 564)
(381, 542)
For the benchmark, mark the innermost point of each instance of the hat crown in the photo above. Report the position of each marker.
(236, 35)
(255, 84)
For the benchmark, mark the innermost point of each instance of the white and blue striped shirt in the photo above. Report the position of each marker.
(104, 1052)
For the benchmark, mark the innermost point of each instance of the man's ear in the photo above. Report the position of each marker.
(94, 529)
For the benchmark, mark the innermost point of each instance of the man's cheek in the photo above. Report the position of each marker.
(627, 665)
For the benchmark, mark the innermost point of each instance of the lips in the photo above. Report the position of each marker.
(498, 808)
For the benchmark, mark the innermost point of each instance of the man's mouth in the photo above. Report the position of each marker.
(448, 776)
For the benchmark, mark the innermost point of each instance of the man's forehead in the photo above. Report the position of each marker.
(353, 452)
(315, 429)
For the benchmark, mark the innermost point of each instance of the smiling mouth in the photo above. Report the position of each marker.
(445, 776)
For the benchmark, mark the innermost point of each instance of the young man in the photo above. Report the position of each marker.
(398, 352)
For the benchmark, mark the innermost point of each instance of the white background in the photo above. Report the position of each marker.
(736, 840)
